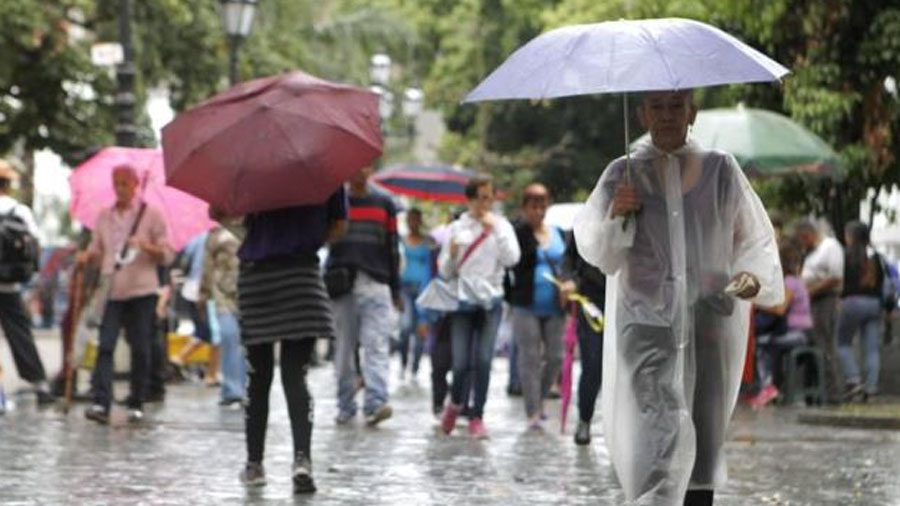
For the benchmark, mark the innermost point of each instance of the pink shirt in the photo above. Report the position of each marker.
(799, 316)
(137, 278)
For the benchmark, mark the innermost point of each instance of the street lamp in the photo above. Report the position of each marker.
(413, 103)
(237, 16)
(380, 69)
(412, 99)
(126, 131)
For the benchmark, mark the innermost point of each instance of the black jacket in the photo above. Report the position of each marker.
(589, 280)
(519, 281)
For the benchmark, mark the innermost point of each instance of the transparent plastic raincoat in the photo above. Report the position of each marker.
(675, 342)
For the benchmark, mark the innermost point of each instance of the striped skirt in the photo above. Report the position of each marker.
(283, 299)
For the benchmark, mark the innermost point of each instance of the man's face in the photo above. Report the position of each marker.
(807, 239)
(361, 177)
(125, 185)
(483, 200)
(667, 116)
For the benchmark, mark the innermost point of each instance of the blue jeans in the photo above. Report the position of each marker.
(412, 318)
(234, 367)
(363, 319)
(472, 335)
(863, 314)
(769, 352)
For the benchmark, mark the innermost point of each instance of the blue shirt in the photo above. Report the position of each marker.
(195, 252)
(418, 264)
(298, 230)
(546, 297)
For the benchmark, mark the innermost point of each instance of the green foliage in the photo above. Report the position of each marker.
(51, 96)
(839, 51)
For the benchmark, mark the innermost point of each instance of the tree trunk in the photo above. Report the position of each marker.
(26, 181)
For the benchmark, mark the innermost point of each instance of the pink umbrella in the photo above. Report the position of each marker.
(565, 385)
(92, 191)
(274, 142)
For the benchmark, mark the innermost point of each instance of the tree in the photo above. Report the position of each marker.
(51, 96)
(840, 53)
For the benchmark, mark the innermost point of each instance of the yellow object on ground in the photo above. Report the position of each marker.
(178, 341)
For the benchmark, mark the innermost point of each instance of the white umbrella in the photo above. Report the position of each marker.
(626, 56)
(623, 56)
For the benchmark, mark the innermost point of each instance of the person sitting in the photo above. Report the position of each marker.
(782, 327)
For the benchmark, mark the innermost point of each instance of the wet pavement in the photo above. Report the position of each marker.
(189, 451)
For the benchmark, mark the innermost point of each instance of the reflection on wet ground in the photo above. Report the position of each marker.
(189, 452)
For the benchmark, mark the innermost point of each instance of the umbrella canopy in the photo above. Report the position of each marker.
(765, 143)
(274, 142)
(437, 182)
(92, 191)
(626, 56)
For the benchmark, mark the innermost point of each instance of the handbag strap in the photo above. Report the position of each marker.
(478, 240)
(134, 227)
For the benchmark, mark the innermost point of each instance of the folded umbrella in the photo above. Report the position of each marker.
(92, 191)
(570, 339)
(290, 139)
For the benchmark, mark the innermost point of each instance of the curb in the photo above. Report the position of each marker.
(849, 420)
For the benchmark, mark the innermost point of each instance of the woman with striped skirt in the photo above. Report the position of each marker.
(281, 298)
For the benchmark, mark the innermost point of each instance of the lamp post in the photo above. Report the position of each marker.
(126, 131)
(412, 99)
(237, 17)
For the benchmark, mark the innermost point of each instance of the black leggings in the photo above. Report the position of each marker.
(591, 345)
(295, 361)
(441, 362)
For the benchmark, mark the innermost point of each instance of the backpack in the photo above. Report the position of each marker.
(19, 249)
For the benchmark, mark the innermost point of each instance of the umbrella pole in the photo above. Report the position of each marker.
(627, 140)
(627, 155)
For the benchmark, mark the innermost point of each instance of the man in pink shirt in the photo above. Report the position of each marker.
(133, 288)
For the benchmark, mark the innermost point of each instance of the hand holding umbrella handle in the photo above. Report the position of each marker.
(594, 315)
(625, 203)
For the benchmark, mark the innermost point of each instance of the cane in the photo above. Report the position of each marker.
(77, 302)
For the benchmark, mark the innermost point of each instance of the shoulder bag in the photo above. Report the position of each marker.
(443, 295)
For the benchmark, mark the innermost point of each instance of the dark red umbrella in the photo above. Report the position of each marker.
(285, 140)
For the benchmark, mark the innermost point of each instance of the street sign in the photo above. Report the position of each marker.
(107, 54)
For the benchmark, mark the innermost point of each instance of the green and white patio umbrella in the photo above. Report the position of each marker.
(765, 143)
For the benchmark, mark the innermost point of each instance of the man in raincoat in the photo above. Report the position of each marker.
(688, 246)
